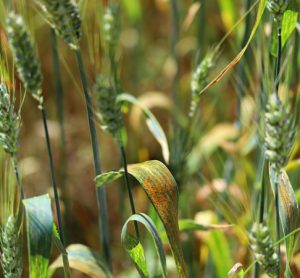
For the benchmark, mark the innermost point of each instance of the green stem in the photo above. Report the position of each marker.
(53, 178)
(55, 190)
(277, 222)
(59, 98)
(277, 71)
(17, 174)
(128, 187)
(101, 193)
(174, 42)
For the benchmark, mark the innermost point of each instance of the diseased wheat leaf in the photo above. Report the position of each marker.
(161, 189)
(288, 209)
(135, 249)
(83, 259)
(39, 222)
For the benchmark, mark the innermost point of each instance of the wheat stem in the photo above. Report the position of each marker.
(101, 193)
(123, 153)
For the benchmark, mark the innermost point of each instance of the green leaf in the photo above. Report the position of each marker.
(135, 249)
(236, 271)
(83, 259)
(133, 9)
(228, 12)
(161, 189)
(39, 222)
(288, 207)
(289, 23)
(152, 123)
(220, 253)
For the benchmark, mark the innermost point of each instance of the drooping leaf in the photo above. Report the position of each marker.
(239, 56)
(39, 222)
(209, 143)
(288, 207)
(135, 249)
(152, 123)
(161, 189)
(192, 225)
(83, 259)
(289, 23)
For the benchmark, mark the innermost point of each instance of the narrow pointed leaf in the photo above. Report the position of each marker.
(289, 23)
(39, 221)
(135, 249)
(161, 189)
(239, 56)
(288, 210)
(83, 259)
(152, 123)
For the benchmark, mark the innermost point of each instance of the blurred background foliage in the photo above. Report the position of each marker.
(221, 176)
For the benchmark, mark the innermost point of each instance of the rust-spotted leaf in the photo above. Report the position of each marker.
(161, 189)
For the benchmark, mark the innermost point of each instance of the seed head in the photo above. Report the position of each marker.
(110, 114)
(64, 17)
(199, 79)
(111, 26)
(9, 122)
(264, 251)
(277, 8)
(25, 57)
(11, 257)
(279, 133)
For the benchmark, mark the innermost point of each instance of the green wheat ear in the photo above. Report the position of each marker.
(11, 257)
(279, 133)
(28, 67)
(264, 251)
(277, 8)
(199, 79)
(64, 17)
(111, 27)
(110, 114)
(9, 122)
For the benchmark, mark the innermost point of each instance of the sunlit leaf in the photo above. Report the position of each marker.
(39, 222)
(192, 225)
(289, 23)
(83, 259)
(228, 12)
(161, 189)
(133, 9)
(135, 249)
(220, 252)
(152, 123)
(288, 206)
(192, 12)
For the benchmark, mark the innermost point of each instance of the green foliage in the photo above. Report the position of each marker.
(135, 249)
(161, 189)
(39, 232)
(83, 259)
